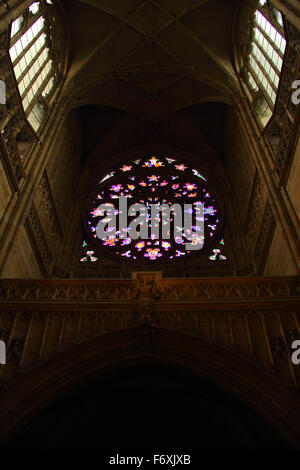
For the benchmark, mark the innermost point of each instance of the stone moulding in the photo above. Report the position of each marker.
(153, 290)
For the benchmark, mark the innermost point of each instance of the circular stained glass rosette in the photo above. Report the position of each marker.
(158, 181)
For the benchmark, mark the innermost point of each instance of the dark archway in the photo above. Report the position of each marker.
(29, 394)
(146, 406)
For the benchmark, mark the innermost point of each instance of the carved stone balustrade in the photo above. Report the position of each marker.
(222, 290)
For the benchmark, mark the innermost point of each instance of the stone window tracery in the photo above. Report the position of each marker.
(265, 60)
(153, 180)
(30, 51)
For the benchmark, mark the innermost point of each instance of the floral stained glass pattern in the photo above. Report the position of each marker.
(150, 181)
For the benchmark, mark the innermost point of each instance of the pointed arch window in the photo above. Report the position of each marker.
(30, 54)
(265, 62)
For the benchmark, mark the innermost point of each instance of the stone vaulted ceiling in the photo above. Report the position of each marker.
(150, 74)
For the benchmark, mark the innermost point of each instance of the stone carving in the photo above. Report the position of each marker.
(265, 235)
(255, 209)
(39, 241)
(279, 137)
(11, 152)
(146, 290)
(11, 115)
(48, 208)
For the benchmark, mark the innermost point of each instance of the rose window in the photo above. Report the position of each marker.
(153, 181)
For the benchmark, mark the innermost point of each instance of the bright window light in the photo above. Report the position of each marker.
(266, 58)
(16, 26)
(32, 64)
(34, 7)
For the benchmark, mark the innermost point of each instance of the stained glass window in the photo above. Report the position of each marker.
(88, 254)
(266, 58)
(153, 181)
(33, 67)
(218, 252)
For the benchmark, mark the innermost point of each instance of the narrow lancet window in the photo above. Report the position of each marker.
(34, 69)
(266, 59)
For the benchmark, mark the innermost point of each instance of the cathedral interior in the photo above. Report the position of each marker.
(152, 102)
